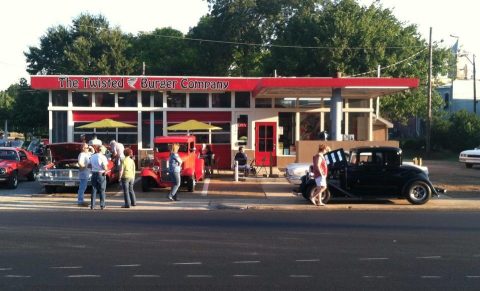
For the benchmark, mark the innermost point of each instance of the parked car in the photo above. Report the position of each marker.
(470, 157)
(295, 171)
(62, 170)
(373, 172)
(156, 174)
(16, 162)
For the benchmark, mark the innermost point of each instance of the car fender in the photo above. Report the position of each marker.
(409, 182)
(149, 172)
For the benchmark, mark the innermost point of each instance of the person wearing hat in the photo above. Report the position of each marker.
(99, 164)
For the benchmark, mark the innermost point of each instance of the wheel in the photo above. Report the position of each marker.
(468, 165)
(191, 184)
(31, 176)
(50, 189)
(145, 184)
(13, 180)
(418, 193)
(309, 193)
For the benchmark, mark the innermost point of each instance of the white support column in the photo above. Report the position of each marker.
(297, 126)
(370, 122)
(50, 117)
(336, 114)
(139, 130)
(69, 118)
(347, 117)
(322, 121)
(164, 115)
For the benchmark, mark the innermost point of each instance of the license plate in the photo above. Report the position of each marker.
(69, 184)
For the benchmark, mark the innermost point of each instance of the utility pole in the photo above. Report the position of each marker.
(474, 87)
(429, 93)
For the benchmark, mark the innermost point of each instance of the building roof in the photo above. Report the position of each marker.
(361, 88)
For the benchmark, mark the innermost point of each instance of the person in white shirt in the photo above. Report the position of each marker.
(95, 140)
(99, 164)
(118, 154)
(83, 173)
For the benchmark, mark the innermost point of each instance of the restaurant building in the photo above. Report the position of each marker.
(267, 116)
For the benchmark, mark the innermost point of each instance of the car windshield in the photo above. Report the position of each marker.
(166, 147)
(8, 155)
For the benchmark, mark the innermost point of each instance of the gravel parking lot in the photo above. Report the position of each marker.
(459, 181)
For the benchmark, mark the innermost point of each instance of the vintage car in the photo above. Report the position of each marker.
(470, 157)
(61, 169)
(156, 173)
(373, 172)
(16, 162)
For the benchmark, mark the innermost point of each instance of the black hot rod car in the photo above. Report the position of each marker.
(372, 172)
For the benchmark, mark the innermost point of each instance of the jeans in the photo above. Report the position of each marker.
(99, 183)
(81, 190)
(128, 193)
(176, 185)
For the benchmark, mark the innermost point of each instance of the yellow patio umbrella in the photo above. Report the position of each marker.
(107, 123)
(193, 125)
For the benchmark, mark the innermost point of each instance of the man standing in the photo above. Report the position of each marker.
(83, 174)
(117, 153)
(99, 164)
(95, 140)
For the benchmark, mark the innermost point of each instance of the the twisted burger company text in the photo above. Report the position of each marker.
(143, 83)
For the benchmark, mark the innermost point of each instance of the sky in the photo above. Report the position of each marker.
(23, 22)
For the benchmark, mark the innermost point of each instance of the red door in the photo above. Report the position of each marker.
(266, 143)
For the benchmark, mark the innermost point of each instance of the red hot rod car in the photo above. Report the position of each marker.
(156, 173)
(15, 162)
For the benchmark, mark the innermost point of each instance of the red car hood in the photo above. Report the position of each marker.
(6, 163)
(65, 151)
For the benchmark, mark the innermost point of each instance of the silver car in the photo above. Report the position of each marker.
(470, 157)
(295, 171)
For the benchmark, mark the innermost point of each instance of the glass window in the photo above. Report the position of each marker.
(263, 103)
(286, 120)
(326, 102)
(82, 99)
(157, 123)
(309, 126)
(59, 130)
(146, 98)
(285, 102)
(146, 140)
(242, 99)
(222, 135)
(176, 99)
(309, 102)
(199, 100)
(221, 100)
(60, 98)
(127, 139)
(157, 99)
(201, 138)
(358, 103)
(242, 129)
(127, 99)
(104, 99)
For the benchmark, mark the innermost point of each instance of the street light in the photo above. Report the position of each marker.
(474, 80)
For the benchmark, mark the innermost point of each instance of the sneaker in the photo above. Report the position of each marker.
(170, 198)
(313, 201)
(125, 206)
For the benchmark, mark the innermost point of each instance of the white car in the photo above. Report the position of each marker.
(295, 171)
(470, 157)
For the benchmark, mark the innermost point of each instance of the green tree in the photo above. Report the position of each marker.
(165, 52)
(28, 112)
(90, 46)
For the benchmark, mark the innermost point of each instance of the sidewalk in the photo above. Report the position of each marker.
(221, 192)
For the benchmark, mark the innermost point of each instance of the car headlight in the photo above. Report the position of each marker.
(3, 171)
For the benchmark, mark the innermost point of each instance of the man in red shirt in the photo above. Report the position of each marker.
(320, 171)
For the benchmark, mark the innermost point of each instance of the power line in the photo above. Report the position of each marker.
(263, 45)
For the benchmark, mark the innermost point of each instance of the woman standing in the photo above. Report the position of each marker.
(175, 165)
(320, 171)
(127, 178)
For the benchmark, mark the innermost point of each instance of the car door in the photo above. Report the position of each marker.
(366, 175)
(25, 165)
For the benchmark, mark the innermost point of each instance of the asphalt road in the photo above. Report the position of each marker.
(239, 250)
